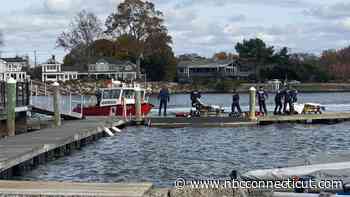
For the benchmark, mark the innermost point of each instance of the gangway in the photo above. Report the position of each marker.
(42, 101)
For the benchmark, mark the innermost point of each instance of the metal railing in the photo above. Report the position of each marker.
(42, 97)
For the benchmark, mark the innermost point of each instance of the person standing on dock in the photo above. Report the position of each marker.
(288, 100)
(98, 97)
(278, 102)
(164, 98)
(235, 102)
(195, 95)
(262, 97)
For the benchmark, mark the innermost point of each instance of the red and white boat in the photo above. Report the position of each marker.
(117, 100)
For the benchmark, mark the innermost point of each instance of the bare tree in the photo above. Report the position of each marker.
(85, 28)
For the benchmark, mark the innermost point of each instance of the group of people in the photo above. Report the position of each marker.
(284, 99)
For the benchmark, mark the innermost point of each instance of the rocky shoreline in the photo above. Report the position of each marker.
(90, 87)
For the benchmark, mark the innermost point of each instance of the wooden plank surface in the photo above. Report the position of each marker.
(305, 117)
(198, 122)
(27, 188)
(20, 148)
(175, 122)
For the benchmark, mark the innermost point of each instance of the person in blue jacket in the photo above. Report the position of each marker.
(235, 102)
(262, 97)
(164, 98)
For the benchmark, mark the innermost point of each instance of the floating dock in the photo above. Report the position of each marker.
(23, 152)
(25, 188)
(178, 122)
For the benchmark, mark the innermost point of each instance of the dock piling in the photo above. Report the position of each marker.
(138, 104)
(56, 106)
(11, 106)
(252, 103)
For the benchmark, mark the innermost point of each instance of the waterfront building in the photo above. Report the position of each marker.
(52, 71)
(110, 68)
(199, 67)
(15, 68)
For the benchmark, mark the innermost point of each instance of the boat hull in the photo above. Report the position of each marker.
(114, 110)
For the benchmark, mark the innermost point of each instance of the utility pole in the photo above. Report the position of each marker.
(34, 58)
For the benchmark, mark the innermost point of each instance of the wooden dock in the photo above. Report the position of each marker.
(178, 122)
(24, 188)
(23, 152)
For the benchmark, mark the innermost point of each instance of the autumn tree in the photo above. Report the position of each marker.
(84, 29)
(220, 56)
(337, 63)
(138, 27)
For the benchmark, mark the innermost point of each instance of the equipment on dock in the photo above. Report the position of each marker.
(202, 109)
(308, 108)
(117, 100)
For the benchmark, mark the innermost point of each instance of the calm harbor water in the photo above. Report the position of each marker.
(163, 155)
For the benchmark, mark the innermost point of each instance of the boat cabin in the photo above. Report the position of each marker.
(113, 96)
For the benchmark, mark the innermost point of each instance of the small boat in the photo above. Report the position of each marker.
(117, 100)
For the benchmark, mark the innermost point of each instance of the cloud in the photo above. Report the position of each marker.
(201, 26)
(218, 3)
(334, 11)
(61, 5)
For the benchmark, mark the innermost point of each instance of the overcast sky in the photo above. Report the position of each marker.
(197, 26)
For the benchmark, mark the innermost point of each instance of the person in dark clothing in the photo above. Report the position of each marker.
(235, 102)
(195, 95)
(278, 102)
(164, 98)
(293, 99)
(288, 101)
(262, 97)
(294, 95)
(98, 97)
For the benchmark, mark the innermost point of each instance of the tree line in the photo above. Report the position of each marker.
(135, 32)
(272, 63)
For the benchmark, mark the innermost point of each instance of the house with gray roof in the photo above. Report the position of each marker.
(189, 69)
(107, 67)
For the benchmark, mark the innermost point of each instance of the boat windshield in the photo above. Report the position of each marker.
(128, 94)
(111, 94)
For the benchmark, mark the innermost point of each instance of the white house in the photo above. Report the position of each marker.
(13, 67)
(52, 71)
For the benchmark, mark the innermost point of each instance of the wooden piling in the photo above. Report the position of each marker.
(138, 98)
(252, 104)
(56, 106)
(11, 106)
